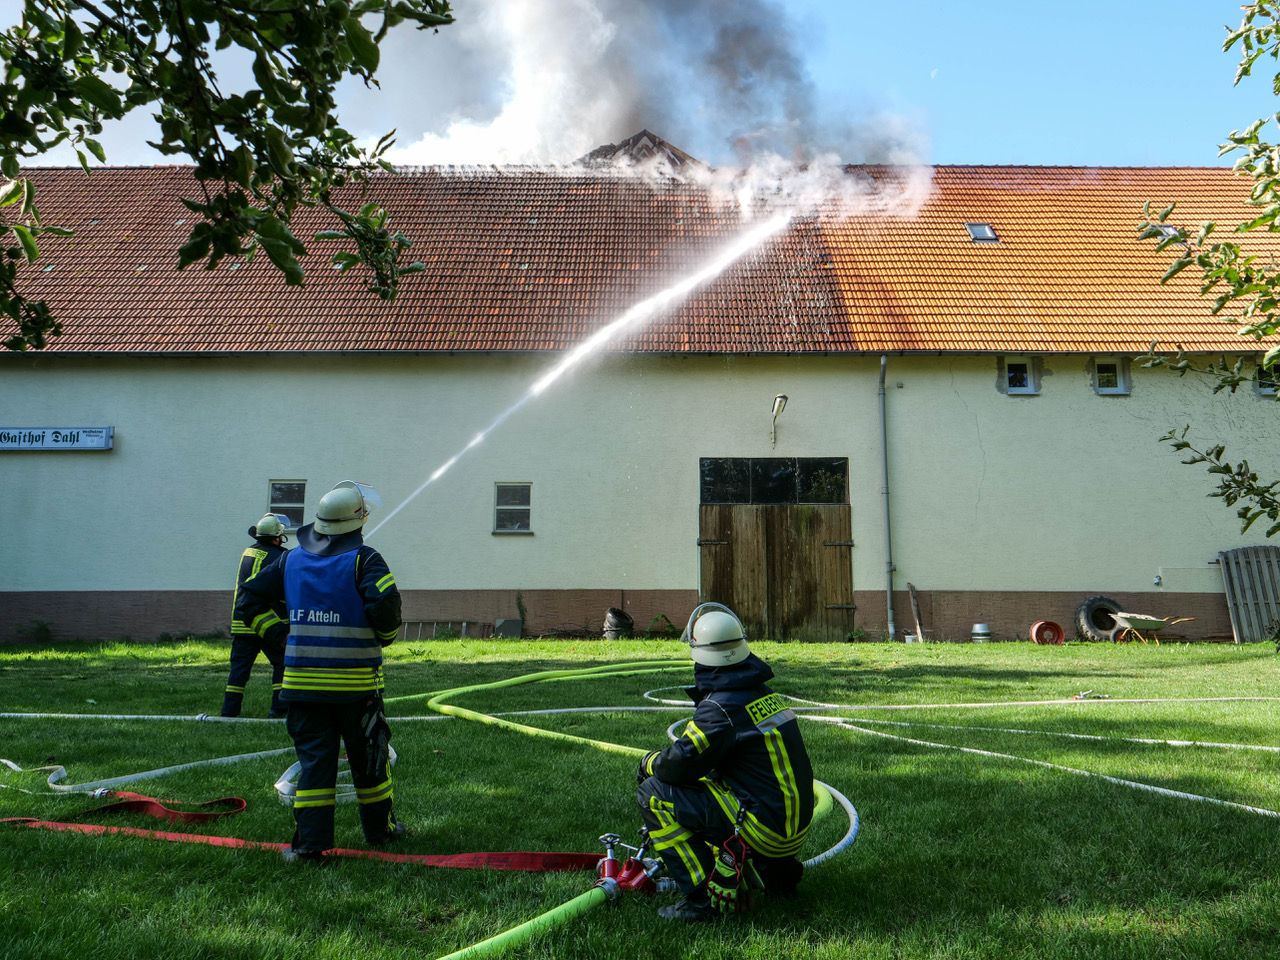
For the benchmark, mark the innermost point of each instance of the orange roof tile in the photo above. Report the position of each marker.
(533, 260)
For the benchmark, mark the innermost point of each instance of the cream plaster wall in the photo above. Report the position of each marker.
(1064, 491)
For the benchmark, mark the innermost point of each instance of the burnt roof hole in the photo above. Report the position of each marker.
(982, 233)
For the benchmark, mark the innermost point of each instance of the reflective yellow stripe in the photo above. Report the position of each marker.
(355, 680)
(231, 689)
(277, 686)
(699, 738)
(319, 797)
(671, 836)
(382, 791)
(760, 838)
(264, 621)
(786, 780)
(386, 634)
(385, 582)
(239, 626)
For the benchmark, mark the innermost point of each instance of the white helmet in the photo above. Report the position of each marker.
(715, 636)
(345, 507)
(271, 525)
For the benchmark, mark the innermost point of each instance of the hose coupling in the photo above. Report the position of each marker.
(610, 887)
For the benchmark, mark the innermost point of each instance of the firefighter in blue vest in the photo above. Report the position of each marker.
(738, 779)
(343, 607)
(268, 547)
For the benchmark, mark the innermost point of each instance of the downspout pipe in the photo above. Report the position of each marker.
(884, 465)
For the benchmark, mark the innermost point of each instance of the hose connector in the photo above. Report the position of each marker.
(610, 887)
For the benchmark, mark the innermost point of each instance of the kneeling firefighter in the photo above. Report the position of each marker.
(738, 779)
(268, 547)
(343, 607)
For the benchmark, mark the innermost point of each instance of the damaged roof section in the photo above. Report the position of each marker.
(526, 259)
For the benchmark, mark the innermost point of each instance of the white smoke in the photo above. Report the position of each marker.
(724, 80)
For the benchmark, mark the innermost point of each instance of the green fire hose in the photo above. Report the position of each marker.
(823, 802)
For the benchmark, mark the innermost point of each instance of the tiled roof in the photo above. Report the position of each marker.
(533, 259)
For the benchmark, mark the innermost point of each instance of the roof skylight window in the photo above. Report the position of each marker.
(982, 233)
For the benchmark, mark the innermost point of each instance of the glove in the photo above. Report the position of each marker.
(726, 884)
(377, 735)
(645, 770)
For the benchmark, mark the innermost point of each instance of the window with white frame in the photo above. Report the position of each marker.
(1111, 376)
(1267, 380)
(287, 497)
(512, 507)
(1020, 376)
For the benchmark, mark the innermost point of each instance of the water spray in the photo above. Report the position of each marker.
(640, 312)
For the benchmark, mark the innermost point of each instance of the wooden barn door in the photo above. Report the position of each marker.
(784, 568)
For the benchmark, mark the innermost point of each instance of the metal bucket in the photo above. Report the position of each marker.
(981, 633)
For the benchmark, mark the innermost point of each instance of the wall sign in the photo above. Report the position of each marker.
(57, 438)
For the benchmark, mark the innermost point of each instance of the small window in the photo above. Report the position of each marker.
(982, 233)
(1020, 376)
(287, 497)
(512, 507)
(1267, 380)
(1111, 376)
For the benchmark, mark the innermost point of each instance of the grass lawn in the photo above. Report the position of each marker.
(960, 855)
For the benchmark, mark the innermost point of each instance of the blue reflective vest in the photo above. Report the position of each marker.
(332, 653)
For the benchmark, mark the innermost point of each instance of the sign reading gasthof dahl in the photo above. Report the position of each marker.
(57, 438)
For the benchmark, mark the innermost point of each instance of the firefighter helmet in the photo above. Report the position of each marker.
(345, 507)
(715, 636)
(271, 525)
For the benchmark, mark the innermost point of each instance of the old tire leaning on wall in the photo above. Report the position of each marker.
(1094, 619)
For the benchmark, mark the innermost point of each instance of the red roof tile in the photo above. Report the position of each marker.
(534, 260)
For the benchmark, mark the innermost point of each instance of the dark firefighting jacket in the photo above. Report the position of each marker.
(252, 561)
(744, 744)
(343, 607)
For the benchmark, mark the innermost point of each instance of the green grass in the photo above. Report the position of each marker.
(960, 856)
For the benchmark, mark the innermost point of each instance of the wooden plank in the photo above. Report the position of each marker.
(915, 610)
(1229, 588)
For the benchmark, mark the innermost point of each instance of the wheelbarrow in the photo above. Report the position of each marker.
(1130, 625)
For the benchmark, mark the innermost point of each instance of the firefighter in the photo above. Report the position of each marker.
(738, 779)
(268, 546)
(343, 608)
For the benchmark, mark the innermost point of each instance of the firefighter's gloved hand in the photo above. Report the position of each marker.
(645, 770)
(725, 886)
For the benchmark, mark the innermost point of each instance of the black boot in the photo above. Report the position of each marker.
(690, 910)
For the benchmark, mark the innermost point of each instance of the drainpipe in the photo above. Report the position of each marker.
(884, 461)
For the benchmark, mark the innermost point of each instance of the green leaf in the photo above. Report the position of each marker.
(9, 166)
(10, 192)
(1176, 268)
(362, 45)
(1163, 215)
(29, 248)
(278, 151)
(100, 93)
(71, 38)
(96, 149)
(1272, 531)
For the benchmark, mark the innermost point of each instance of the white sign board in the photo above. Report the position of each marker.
(57, 438)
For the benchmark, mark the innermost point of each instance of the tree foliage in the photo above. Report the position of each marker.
(259, 153)
(1245, 286)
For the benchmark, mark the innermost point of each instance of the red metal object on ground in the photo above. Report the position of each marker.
(1047, 632)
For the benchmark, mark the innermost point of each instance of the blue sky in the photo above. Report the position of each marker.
(994, 82)
(1083, 82)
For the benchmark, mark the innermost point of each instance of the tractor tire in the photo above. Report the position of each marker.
(1093, 619)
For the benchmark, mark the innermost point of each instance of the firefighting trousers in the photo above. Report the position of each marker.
(244, 652)
(318, 730)
(686, 825)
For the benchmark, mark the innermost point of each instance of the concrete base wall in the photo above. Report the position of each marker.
(945, 614)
